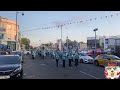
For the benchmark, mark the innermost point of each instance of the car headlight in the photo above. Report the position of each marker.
(18, 69)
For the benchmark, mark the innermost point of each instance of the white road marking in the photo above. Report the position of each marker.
(89, 75)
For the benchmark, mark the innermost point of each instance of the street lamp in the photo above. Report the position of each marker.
(61, 38)
(95, 37)
(16, 28)
(67, 42)
(39, 44)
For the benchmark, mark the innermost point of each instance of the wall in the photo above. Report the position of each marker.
(10, 29)
(83, 45)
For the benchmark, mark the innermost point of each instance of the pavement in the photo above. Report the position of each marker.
(46, 69)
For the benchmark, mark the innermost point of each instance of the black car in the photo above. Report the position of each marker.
(10, 67)
(21, 55)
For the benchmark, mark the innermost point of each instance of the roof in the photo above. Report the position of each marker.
(8, 55)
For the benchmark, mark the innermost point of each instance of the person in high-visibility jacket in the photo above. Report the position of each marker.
(70, 59)
(64, 57)
(76, 57)
(57, 58)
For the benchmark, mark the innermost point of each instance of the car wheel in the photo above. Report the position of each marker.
(21, 75)
(22, 61)
(96, 63)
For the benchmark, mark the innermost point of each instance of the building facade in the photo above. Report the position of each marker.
(111, 42)
(9, 33)
(91, 42)
(104, 42)
(83, 45)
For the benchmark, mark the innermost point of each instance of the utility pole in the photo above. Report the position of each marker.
(17, 28)
(95, 38)
(16, 31)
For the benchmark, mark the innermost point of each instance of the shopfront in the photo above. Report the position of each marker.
(12, 44)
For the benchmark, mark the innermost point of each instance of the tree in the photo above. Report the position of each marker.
(26, 42)
(31, 47)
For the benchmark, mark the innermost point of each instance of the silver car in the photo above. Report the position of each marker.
(84, 58)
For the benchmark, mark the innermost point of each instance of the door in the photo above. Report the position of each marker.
(100, 59)
(106, 60)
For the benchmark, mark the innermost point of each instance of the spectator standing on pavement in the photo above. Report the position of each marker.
(76, 57)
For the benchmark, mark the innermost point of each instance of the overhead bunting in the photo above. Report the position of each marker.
(72, 22)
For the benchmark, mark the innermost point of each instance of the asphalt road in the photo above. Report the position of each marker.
(46, 69)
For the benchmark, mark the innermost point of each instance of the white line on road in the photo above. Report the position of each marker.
(89, 75)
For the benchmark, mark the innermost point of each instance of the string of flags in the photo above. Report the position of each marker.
(69, 23)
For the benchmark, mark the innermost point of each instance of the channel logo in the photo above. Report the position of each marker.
(112, 71)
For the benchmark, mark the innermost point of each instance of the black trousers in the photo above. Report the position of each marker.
(64, 63)
(70, 62)
(43, 57)
(76, 62)
(57, 62)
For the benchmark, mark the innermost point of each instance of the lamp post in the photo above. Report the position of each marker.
(17, 29)
(39, 44)
(95, 38)
(67, 42)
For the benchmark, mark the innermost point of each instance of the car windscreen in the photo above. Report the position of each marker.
(114, 57)
(16, 53)
(83, 54)
(9, 60)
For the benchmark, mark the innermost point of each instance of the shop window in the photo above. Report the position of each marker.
(1, 36)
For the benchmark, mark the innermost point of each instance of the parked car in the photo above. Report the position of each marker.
(99, 52)
(104, 59)
(89, 52)
(20, 54)
(84, 58)
(10, 67)
(27, 52)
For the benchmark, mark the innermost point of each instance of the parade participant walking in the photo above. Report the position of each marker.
(63, 58)
(33, 54)
(43, 54)
(57, 58)
(70, 59)
(76, 57)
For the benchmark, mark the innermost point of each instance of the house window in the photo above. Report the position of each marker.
(106, 41)
(1, 36)
(2, 25)
(9, 27)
